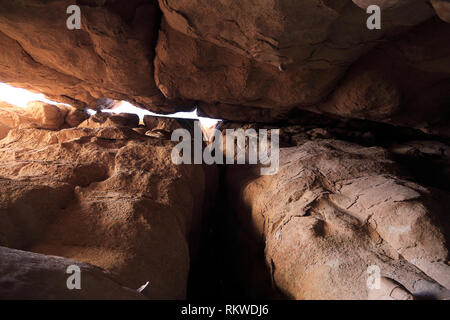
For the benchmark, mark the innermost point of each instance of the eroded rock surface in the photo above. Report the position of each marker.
(11, 117)
(239, 61)
(110, 56)
(39, 114)
(339, 209)
(107, 196)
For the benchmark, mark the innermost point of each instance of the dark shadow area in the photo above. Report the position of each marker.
(229, 264)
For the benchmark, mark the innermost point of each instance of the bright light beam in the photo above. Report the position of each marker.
(126, 107)
(20, 97)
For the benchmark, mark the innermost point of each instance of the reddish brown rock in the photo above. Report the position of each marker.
(48, 115)
(163, 126)
(38, 114)
(339, 209)
(294, 59)
(319, 33)
(387, 4)
(73, 117)
(404, 82)
(107, 196)
(388, 289)
(110, 56)
(238, 61)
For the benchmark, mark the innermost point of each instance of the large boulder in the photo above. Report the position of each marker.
(39, 114)
(110, 56)
(342, 210)
(402, 82)
(11, 117)
(107, 196)
(296, 59)
(73, 117)
(50, 116)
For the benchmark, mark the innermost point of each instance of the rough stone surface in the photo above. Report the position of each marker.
(364, 120)
(239, 61)
(26, 275)
(388, 289)
(110, 56)
(261, 64)
(163, 127)
(107, 196)
(73, 117)
(11, 117)
(46, 114)
(340, 208)
(384, 85)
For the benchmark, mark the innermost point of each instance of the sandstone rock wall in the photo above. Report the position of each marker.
(107, 196)
(339, 209)
(249, 61)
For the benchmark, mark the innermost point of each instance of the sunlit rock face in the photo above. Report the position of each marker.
(363, 177)
(107, 196)
(39, 114)
(341, 208)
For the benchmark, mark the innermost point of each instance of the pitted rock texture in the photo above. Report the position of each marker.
(339, 209)
(107, 196)
(26, 275)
